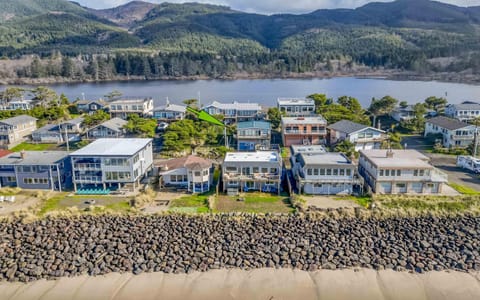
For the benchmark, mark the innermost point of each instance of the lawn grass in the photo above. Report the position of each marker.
(64, 202)
(462, 189)
(196, 203)
(33, 147)
(254, 203)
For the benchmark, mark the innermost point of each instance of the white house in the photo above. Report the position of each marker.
(363, 136)
(400, 172)
(236, 111)
(124, 107)
(191, 172)
(406, 113)
(169, 112)
(464, 111)
(113, 128)
(454, 133)
(296, 107)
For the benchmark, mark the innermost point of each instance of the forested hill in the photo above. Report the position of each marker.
(418, 35)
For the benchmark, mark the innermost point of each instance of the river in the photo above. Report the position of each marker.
(266, 91)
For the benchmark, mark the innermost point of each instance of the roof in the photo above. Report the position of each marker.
(349, 127)
(85, 102)
(113, 147)
(131, 100)
(4, 152)
(327, 158)
(259, 156)
(46, 128)
(115, 124)
(318, 119)
(190, 162)
(75, 121)
(401, 159)
(235, 105)
(297, 149)
(254, 124)
(295, 101)
(34, 158)
(171, 107)
(448, 123)
(410, 108)
(22, 119)
(467, 105)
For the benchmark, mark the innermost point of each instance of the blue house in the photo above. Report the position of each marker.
(253, 135)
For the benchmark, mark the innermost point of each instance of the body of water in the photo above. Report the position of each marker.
(266, 91)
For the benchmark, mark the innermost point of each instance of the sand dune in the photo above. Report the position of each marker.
(255, 284)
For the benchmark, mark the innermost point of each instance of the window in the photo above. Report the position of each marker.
(35, 180)
(256, 169)
(309, 172)
(335, 172)
(329, 171)
(342, 172)
(231, 169)
(136, 159)
(399, 172)
(322, 172)
(392, 173)
(401, 185)
(197, 173)
(415, 172)
(349, 172)
(421, 172)
(381, 173)
(116, 162)
(264, 170)
(273, 170)
(315, 172)
(387, 172)
(205, 172)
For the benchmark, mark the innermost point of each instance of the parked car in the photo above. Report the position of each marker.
(162, 126)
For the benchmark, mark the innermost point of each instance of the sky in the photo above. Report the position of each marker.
(269, 6)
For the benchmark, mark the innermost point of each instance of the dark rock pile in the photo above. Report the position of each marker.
(54, 248)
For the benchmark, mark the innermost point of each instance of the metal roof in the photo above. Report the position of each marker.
(47, 128)
(318, 119)
(295, 101)
(113, 147)
(115, 124)
(312, 149)
(327, 158)
(34, 158)
(259, 156)
(254, 124)
(235, 105)
(350, 127)
(171, 107)
(400, 159)
(75, 121)
(448, 123)
(22, 119)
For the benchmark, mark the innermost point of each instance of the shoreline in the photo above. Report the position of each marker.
(264, 283)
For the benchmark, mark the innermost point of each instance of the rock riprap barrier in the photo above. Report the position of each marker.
(58, 247)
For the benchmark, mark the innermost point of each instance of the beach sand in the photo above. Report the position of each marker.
(267, 284)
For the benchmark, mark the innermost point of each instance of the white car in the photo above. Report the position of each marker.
(162, 126)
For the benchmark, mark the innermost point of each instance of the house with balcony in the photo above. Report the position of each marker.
(253, 135)
(405, 113)
(235, 111)
(363, 136)
(20, 105)
(56, 133)
(169, 112)
(16, 130)
(91, 106)
(454, 133)
(303, 130)
(400, 172)
(252, 171)
(193, 173)
(465, 111)
(327, 173)
(39, 170)
(296, 107)
(112, 164)
(113, 128)
(122, 108)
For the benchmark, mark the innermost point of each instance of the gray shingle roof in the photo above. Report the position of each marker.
(74, 121)
(467, 105)
(22, 119)
(115, 124)
(34, 158)
(347, 126)
(448, 123)
(46, 128)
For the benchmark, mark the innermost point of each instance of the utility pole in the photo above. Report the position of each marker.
(199, 101)
(475, 140)
(66, 139)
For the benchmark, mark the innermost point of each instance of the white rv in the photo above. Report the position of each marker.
(469, 162)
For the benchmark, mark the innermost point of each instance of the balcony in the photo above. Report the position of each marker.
(258, 136)
(462, 137)
(87, 166)
(254, 177)
(88, 179)
(321, 132)
(370, 139)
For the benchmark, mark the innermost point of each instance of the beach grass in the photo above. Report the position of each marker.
(196, 203)
(462, 189)
(254, 203)
(363, 201)
(429, 203)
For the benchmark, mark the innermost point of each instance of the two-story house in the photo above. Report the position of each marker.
(20, 105)
(363, 136)
(73, 128)
(405, 113)
(465, 111)
(91, 106)
(253, 135)
(39, 170)
(328, 173)
(252, 171)
(169, 112)
(57, 133)
(191, 172)
(14, 131)
(454, 133)
(400, 172)
(303, 130)
(236, 111)
(113, 128)
(112, 164)
(124, 107)
(296, 107)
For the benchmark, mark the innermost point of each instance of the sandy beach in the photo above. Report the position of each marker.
(256, 284)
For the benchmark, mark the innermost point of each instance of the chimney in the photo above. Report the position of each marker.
(389, 153)
(22, 154)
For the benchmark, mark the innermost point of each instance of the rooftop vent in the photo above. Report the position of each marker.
(389, 153)
(23, 154)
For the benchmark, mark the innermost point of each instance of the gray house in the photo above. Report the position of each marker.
(14, 131)
(109, 129)
(253, 135)
(44, 170)
(53, 133)
(91, 106)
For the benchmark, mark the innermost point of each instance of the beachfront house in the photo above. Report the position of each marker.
(169, 112)
(327, 173)
(14, 131)
(39, 170)
(124, 107)
(193, 173)
(112, 164)
(454, 133)
(296, 107)
(91, 106)
(113, 128)
(20, 105)
(235, 111)
(400, 172)
(252, 171)
(303, 130)
(363, 136)
(253, 135)
(465, 111)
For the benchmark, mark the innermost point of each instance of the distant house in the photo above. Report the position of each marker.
(14, 131)
(236, 111)
(124, 107)
(91, 106)
(406, 113)
(296, 107)
(253, 135)
(113, 128)
(73, 128)
(252, 171)
(169, 112)
(14, 105)
(191, 172)
(464, 111)
(400, 172)
(39, 170)
(363, 136)
(454, 133)
(303, 130)
(53, 133)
